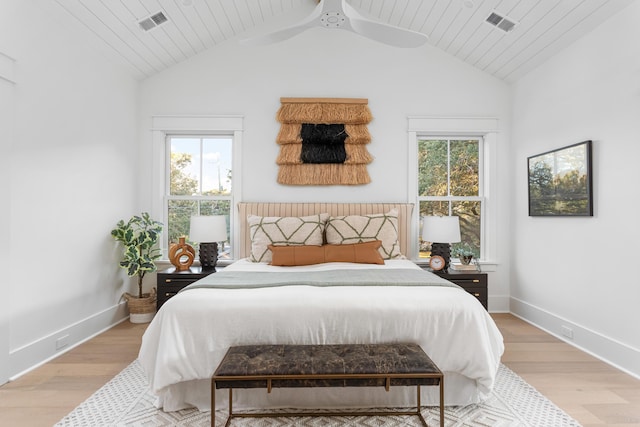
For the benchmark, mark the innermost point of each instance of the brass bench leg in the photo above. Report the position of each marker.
(230, 407)
(442, 401)
(213, 403)
(419, 407)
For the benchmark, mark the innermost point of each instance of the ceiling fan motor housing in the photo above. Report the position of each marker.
(333, 19)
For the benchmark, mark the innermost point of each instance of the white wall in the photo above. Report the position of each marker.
(235, 79)
(6, 143)
(581, 272)
(73, 163)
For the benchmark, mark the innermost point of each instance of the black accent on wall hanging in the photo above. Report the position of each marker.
(323, 143)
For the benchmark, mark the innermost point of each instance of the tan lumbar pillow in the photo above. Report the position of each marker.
(361, 253)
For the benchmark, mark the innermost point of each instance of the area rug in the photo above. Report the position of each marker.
(126, 401)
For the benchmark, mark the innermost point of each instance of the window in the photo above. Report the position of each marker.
(450, 183)
(200, 182)
(442, 191)
(194, 158)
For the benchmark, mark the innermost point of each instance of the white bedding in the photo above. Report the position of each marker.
(188, 337)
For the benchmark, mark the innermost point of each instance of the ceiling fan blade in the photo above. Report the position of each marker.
(383, 33)
(387, 34)
(286, 33)
(274, 37)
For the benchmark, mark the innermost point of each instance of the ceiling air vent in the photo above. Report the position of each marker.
(153, 21)
(501, 22)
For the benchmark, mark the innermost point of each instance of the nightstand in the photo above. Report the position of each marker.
(170, 282)
(471, 281)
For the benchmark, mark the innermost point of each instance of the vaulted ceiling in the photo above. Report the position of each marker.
(458, 27)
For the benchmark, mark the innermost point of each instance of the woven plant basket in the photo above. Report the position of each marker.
(141, 310)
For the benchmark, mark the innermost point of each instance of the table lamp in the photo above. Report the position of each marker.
(208, 231)
(441, 231)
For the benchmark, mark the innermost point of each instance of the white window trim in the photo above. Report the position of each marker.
(163, 126)
(487, 129)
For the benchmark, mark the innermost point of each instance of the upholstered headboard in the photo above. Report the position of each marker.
(333, 209)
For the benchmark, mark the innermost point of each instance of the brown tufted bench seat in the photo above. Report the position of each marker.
(339, 365)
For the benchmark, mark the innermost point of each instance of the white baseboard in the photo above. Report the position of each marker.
(609, 350)
(29, 357)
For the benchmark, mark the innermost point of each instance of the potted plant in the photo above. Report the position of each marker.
(139, 236)
(464, 253)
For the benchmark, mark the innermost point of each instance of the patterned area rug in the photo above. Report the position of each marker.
(125, 401)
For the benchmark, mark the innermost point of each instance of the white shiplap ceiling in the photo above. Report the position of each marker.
(458, 27)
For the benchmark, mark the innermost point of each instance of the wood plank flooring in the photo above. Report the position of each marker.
(48, 393)
(589, 390)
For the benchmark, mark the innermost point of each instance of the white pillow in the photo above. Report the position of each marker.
(350, 229)
(284, 231)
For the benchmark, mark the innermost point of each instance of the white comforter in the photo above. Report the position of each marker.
(188, 337)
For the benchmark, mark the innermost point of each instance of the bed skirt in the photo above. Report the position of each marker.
(458, 391)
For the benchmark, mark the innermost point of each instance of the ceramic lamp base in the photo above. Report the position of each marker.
(208, 256)
(444, 250)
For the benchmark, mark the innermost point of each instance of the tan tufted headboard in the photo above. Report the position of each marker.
(333, 209)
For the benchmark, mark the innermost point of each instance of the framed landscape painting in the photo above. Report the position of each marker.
(560, 182)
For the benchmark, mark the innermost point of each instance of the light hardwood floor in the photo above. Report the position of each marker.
(46, 394)
(589, 390)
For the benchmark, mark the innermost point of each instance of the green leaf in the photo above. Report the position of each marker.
(128, 236)
(133, 269)
(147, 266)
(139, 236)
(132, 252)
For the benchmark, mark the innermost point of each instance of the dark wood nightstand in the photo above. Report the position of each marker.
(473, 282)
(170, 282)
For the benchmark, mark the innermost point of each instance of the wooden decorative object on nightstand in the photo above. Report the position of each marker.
(171, 281)
(181, 255)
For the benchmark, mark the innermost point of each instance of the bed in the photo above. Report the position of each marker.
(253, 302)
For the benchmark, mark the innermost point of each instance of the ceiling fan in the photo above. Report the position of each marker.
(338, 14)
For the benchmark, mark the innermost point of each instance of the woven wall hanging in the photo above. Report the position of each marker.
(323, 141)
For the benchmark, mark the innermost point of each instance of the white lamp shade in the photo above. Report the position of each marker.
(441, 229)
(208, 228)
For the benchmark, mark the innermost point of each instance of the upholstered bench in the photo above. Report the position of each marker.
(343, 365)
